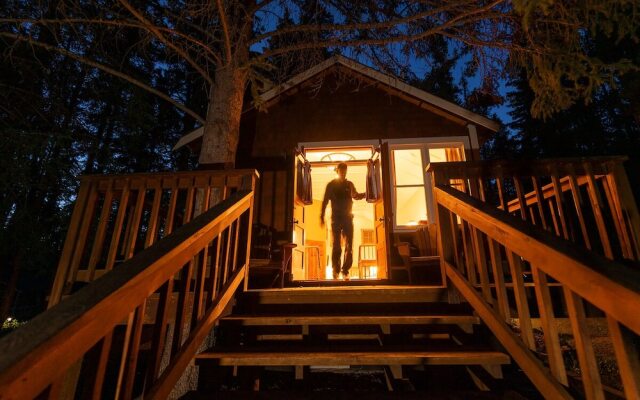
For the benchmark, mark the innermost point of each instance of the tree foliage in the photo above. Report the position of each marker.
(231, 43)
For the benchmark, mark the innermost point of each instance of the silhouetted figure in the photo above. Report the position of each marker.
(340, 191)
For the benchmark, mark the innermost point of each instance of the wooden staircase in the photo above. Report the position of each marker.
(379, 328)
(546, 255)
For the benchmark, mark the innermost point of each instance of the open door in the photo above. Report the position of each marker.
(383, 214)
(301, 197)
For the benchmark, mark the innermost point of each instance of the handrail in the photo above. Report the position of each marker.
(116, 216)
(477, 237)
(77, 335)
(588, 201)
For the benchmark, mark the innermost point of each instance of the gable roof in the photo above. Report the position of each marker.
(420, 96)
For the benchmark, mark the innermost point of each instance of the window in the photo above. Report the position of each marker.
(411, 185)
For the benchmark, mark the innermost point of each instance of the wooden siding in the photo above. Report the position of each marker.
(349, 111)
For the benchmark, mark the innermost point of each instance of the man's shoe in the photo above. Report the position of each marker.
(335, 276)
(345, 277)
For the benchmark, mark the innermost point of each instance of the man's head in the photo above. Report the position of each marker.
(341, 170)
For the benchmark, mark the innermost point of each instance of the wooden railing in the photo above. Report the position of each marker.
(587, 201)
(515, 273)
(134, 331)
(116, 216)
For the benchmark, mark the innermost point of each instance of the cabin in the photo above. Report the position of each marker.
(343, 111)
(197, 284)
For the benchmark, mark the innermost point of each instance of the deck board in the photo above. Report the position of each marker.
(307, 358)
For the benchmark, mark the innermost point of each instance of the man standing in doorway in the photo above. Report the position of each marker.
(340, 191)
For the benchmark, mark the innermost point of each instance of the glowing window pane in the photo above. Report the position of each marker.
(408, 167)
(437, 155)
(411, 205)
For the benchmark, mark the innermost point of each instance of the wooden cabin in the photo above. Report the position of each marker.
(464, 268)
(344, 111)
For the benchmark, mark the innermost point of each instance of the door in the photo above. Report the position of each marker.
(383, 214)
(301, 196)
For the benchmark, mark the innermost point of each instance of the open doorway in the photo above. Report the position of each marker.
(317, 239)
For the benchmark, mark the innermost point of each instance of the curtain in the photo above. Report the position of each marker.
(373, 182)
(304, 188)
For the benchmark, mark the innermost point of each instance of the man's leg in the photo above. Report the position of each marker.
(336, 250)
(347, 230)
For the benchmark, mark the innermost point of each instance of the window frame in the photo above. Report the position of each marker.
(424, 144)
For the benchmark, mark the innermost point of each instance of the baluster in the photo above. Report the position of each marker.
(158, 341)
(83, 233)
(556, 227)
(181, 310)
(468, 253)
(54, 391)
(448, 249)
(63, 271)
(188, 207)
(521, 199)
(198, 296)
(98, 242)
(481, 262)
(133, 352)
(173, 200)
(596, 205)
(100, 368)
(616, 216)
(547, 318)
(135, 221)
(532, 216)
(584, 347)
(235, 243)
(540, 201)
(498, 277)
(627, 356)
(577, 202)
(522, 304)
(454, 238)
(503, 203)
(628, 206)
(249, 234)
(215, 273)
(481, 189)
(124, 355)
(557, 192)
(227, 255)
(117, 228)
(152, 228)
(127, 232)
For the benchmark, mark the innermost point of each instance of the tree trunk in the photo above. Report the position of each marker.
(10, 290)
(222, 128)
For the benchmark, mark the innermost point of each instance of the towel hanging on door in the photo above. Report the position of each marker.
(304, 188)
(373, 182)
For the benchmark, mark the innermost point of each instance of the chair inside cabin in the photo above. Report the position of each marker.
(419, 254)
(367, 253)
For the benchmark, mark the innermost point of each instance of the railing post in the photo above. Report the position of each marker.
(445, 233)
(254, 181)
(629, 207)
(69, 244)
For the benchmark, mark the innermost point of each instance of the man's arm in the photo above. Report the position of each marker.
(355, 194)
(325, 201)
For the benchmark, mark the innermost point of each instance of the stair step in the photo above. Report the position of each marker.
(380, 357)
(354, 319)
(375, 294)
(348, 395)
